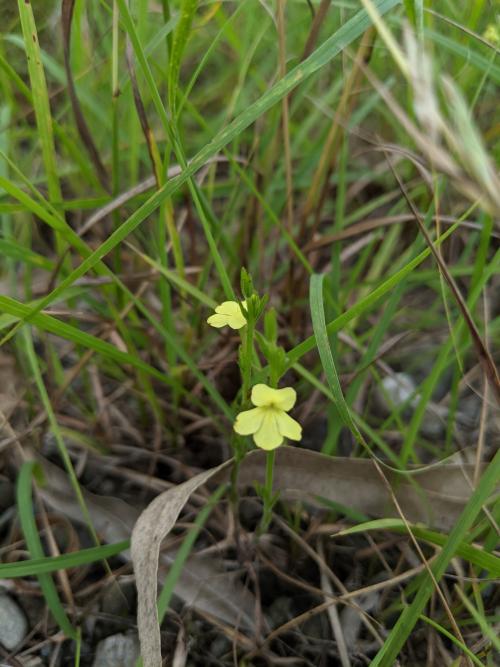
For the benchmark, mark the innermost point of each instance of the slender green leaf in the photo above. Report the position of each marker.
(367, 302)
(30, 531)
(404, 625)
(320, 57)
(325, 352)
(184, 551)
(36, 566)
(468, 552)
(79, 337)
(486, 629)
(180, 38)
(453, 639)
(40, 98)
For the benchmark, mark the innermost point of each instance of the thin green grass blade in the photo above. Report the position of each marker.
(486, 629)
(64, 330)
(36, 566)
(179, 41)
(173, 277)
(30, 532)
(453, 639)
(367, 302)
(32, 359)
(79, 337)
(214, 42)
(325, 352)
(469, 55)
(184, 551)
(474, 555)
(45, 213)
(443, 360)
(415, 11)
(172, 134)
(22, 254)
(406, 622)
(40, 98)
(78, 647)
(320, 57)
(361, 423)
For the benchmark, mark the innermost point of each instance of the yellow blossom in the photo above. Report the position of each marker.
(269, 422)
(228, 314)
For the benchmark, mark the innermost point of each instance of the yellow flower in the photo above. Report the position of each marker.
(268, 422)
(228, 314)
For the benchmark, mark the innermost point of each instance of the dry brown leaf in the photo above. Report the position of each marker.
(152, 527)
(433, 495)
(203, 583)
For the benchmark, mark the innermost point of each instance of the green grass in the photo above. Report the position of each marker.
(108, 328)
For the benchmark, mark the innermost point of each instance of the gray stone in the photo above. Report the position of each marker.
(13, 623)
(401, 388)
(117, 651)
(395, 390)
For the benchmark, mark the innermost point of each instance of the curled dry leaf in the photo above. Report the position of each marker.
(203, 584)
(153, 526)
(433, 495)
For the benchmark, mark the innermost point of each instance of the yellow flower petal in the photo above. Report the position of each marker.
(229, 314)
(228, 308)
(268, 436)
(249, 421)
(217, 321)
(262, 395)
(284, 399)
(288, 427)
(237, 322)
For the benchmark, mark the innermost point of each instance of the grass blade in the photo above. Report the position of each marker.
(480, 620)
(81, 124)
(474, 555)
(79, 337)
(321, 56)
(36, 566)
(180, 38)
(325, 352)
(40, 98)
(453, 639)
(30, 531)
(400, 632)
(368, 301)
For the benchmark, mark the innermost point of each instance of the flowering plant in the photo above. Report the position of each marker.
(269, 422)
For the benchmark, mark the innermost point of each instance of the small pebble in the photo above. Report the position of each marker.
(13, 623)
(117, 651)
(395, 390)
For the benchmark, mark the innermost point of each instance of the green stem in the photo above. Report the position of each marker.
(273, 376)
(246, 371)
(239, 447)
